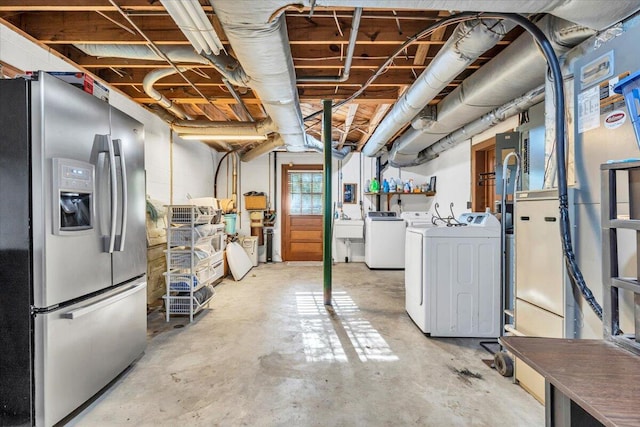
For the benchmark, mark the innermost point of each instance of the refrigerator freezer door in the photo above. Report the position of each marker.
(65, 121)
(130, 254)
(81, 348)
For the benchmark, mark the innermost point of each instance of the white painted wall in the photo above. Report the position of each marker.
(193, 162)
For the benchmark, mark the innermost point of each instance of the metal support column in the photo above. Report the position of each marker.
(326, 139)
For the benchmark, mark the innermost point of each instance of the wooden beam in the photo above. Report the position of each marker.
(65, 27)
(421, 54)
(7, 70)
(78, 5)
(376, 117)
(351, 114)
(437, 35)
(212, 112)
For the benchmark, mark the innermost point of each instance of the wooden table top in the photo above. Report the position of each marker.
(601, 377)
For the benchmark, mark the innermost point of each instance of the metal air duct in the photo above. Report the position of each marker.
(517, 69)
(261, 45)
(480, 125)
(469, 40)
(596, 14)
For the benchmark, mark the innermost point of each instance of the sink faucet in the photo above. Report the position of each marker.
(344, 215)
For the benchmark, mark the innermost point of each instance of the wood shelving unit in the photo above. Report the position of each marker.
(400, 193)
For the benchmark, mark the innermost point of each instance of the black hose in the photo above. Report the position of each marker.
(575, 275)
(215, 177)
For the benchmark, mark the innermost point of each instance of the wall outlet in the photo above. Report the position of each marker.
(468, 205)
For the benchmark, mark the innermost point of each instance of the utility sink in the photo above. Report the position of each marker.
(348, 229)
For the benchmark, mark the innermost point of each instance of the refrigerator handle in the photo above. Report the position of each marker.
(79, 312)
(103, 144)
(119, 152)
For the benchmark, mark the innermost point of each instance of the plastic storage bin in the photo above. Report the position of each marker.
(230, 223)
(630, 88)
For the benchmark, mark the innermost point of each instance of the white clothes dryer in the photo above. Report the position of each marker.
(452, 277)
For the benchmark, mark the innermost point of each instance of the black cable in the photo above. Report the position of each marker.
(215, 176)
(575, 275)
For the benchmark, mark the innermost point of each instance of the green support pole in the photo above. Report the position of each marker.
(326, 137)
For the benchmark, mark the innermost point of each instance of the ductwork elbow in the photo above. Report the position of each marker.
(317, 146)
(147, 84)
(271, 144)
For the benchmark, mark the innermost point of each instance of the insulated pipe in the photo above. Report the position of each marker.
(203, 127)
(141, 52)
(480, 125)
(353, 36)
(326, 240)
(517, 69)
(469, 40)
(262, 47)
(273, 142)
(317, 146)
(156, 75)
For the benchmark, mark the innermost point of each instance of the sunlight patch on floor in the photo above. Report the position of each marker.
(320, 339)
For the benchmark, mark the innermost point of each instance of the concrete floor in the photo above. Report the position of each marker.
(268, 354)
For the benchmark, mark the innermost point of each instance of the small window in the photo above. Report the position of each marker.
(305, 193)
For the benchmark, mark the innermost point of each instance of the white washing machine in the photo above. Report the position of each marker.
(452, 277)
(416, 218)
(384, 240)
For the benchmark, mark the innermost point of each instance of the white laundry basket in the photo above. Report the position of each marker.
(250, 245)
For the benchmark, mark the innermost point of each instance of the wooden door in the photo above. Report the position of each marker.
(302, 210)
(483, 158)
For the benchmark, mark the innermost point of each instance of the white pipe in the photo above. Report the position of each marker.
(203, 26)
(181, 17)
(353, 36)
(148, 82)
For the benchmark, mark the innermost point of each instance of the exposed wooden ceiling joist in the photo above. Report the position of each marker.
(318, 46)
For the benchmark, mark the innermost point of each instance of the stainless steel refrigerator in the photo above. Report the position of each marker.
(72, 248)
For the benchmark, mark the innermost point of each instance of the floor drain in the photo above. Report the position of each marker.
(178, 326)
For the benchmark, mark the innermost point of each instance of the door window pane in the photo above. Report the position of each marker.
(305, 193)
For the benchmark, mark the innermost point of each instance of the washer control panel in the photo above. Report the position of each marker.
(484, 219)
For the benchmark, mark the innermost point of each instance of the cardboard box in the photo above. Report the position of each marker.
(82, 81)
(255, 203)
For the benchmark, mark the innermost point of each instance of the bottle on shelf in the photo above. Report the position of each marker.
(375, 185)
(385, 186)
(392, 185)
